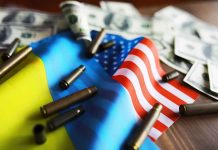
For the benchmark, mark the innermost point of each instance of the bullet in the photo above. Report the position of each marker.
(93, 48)
(14, 60)
(198, 109)
(11, 49)
(107, 45)
(145, 127)
(60, 120)
(53, 107)
(170, 76)
(39, 133)
(65, 83)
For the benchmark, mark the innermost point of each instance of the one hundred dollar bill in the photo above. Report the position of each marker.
(198, 78)
(32, 17)
(126, 9)
(208, 33)
(170, 59)
(213, 75)
(27, 34)
(192, 49)
(99, 18)
(178, 17)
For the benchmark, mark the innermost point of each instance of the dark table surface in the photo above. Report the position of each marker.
(196, 132)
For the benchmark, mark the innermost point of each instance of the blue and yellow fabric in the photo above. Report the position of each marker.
(109, 116)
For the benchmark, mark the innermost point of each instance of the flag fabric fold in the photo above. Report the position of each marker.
(140, 74)
(128, 80)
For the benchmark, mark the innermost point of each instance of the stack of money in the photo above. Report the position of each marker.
(28, 25)
(193, 47)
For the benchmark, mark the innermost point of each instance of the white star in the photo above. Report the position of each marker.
(121, 42)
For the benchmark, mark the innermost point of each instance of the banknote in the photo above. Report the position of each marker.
(170, 59)
(99, 18)
(198, 78)
(137, 25)
(160, 44)
(125, 8)
(32, 17)
(193, 49)
(27, 33)
(162, 26)
(179, 18)
(96, 16)
(213, 75)
(208, 33)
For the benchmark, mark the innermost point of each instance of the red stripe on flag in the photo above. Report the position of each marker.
(169, 113)
(161, 90)
(141, 112)
(175, 83)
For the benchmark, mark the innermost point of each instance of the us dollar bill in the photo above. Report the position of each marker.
(208, 33)
(127, 9)
(170, 59)
(179, 18)
(198, 78)
(192, 49)
(27, 34)
(32, 17)
(213, 75)
(99, 18)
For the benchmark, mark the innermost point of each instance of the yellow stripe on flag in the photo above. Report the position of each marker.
(20, 98)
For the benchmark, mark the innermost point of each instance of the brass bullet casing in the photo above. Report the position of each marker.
(66, 82)
(107, 45)
(170, 76)
(145, 127)
(53, 107)
(39, 133)
(14, 60)
(93, 48)
(61, 119)
(11, 49)
(198, 109)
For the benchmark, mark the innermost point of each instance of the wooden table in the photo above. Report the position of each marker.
(196, 132)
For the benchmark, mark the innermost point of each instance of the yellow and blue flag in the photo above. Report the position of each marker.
(110, 115)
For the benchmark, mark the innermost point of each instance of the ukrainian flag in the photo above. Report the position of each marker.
(109, 116)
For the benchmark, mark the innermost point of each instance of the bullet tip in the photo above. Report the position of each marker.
(5, 57)
(63, 85)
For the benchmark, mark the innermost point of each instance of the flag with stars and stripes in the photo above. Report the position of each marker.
(135, 64)
(128, 80)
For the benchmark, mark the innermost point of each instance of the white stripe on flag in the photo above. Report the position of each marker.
(144, 103)
(155, 94)
(154, 133)
(146, 50)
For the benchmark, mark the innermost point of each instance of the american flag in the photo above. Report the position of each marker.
(135, 64)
